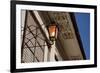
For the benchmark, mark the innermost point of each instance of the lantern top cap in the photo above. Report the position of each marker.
(53, 24)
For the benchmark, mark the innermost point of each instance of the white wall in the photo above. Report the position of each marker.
(5, 37)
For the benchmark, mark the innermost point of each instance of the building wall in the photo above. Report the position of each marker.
(68, 44)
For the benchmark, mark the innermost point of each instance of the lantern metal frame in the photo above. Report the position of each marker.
(54, 37)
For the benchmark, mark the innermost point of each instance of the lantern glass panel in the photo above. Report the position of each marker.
(52, 31)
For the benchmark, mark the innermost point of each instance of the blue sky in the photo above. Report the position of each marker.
(83, 22)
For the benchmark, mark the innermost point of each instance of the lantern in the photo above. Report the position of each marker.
(53, 30)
